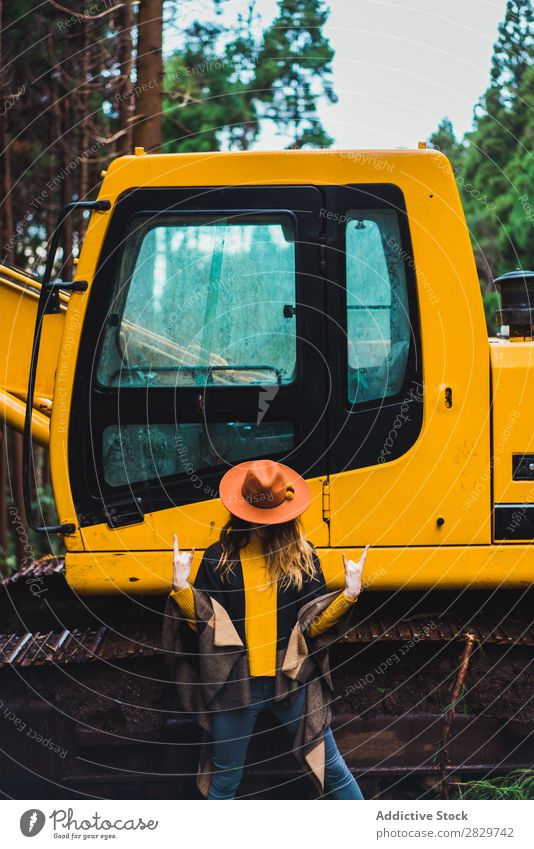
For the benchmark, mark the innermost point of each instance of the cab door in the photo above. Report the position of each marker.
(203, 347)
(407, 417)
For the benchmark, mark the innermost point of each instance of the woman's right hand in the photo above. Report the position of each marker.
(353, 574)
(182, 566)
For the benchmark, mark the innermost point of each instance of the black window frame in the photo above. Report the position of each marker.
(359, 430)
(93, 408)
(244, 213)
(196, 471)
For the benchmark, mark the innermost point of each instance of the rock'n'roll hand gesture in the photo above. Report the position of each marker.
(182, 566)
(353, 574)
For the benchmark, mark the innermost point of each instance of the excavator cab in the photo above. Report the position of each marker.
(321, 308)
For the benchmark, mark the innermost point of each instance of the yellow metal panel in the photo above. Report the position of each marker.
(512, 369)
(286, 167)
(439, 567)
(18, 297)
(13, 412)
(197, 525)
(447, 567)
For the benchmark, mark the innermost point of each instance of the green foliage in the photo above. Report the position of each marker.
(493, 164)
(518, 785)
(63, 114)
(219, 86)
(444, 139)
(491, 305)
(224, 83)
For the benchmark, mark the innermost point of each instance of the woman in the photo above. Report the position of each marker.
(262, 614)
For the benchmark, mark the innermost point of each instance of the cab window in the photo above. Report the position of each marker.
(378, 325)
(203, 301)
(133, 453)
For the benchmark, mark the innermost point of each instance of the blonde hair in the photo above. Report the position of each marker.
(288, 553)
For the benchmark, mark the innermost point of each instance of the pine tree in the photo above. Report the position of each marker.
(147, 128)
(493, 165)
(444, 139)
(503, 120)
(293, 69)
(512, 52)
(225, 82)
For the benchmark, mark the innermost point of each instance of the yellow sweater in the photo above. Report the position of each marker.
(261, 610)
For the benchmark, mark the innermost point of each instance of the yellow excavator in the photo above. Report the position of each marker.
(318, 307)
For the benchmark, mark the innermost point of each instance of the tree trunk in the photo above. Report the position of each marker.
(67, 265)
(85, 131)
(147, 130)
(126, 104)
(7, 199)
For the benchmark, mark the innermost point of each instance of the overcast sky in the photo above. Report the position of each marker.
(400, 66)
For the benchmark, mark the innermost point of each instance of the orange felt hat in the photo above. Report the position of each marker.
(264, 492)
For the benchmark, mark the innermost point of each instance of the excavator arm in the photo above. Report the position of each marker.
(19, 296)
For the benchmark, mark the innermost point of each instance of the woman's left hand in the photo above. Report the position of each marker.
(353, 574)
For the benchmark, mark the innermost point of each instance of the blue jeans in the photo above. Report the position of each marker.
(231, 732)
